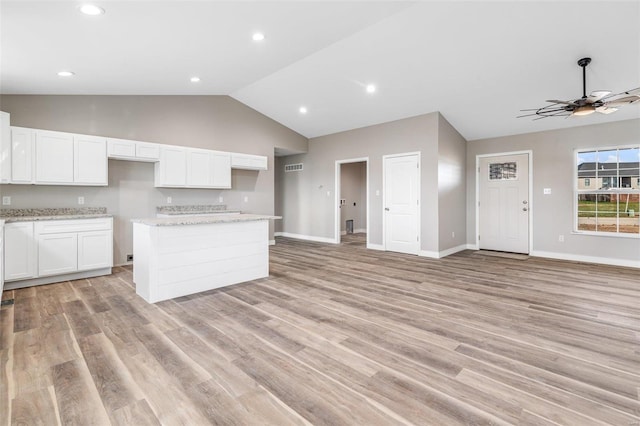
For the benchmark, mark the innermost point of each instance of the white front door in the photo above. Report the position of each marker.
(504, 203)
(401, 209)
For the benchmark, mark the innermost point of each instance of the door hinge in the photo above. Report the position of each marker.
(418, 238)
(478, 237)
(478, 169)
(417, 202)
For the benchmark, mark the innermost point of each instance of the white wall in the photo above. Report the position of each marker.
(554, 167)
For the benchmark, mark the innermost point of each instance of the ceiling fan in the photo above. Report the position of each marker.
(601, 101)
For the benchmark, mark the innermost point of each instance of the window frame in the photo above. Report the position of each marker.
(617, 190)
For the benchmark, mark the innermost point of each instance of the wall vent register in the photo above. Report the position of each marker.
(293, 167)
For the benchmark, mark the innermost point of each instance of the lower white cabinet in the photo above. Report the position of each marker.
(57, 254)
(57, 247)
(19, 251)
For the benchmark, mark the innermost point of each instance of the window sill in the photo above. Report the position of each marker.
(606, 234)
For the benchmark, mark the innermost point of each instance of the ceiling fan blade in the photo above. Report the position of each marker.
(597, 95)
(631, 92)
(622, 101)
(555, 101)
(605, 110)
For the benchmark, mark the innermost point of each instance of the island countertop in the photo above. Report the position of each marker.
(203, 220)
(30, 215)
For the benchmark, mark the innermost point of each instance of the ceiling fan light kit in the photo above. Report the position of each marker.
(601, 101)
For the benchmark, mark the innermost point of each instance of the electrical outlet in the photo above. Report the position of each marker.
(6, 200)
(546, 191)
(561, 238)
(169, 200)
(328, 193)
(453, 234)
(220, 199)
(129, 258)
(81, 200)
(246, 199)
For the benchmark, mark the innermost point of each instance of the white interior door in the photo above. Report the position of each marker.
(504, 203)
(401, 210)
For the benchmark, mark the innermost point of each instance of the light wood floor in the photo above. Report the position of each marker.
(336, 335)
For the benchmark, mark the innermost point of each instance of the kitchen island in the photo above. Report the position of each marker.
(182, 255)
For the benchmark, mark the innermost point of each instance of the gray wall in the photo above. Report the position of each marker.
(452, 185)
(309, 210)
(353, 189)
(553, 167)
(212, 122)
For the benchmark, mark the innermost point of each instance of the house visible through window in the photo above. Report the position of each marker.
(607, 192)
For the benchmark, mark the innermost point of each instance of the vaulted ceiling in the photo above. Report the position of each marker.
(477, 62)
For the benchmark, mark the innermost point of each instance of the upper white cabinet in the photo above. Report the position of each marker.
(5, 148)
(123, 149)
(22, 142)
(69, 159)
(54, 157)
(89, 160)
(171, 170)
(208, 169)
(248, 161)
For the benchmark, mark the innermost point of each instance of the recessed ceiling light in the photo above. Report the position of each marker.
(371, 88)
(195, 79)
(303, 110)
(91, 9)
(66, 74)
(258, 37)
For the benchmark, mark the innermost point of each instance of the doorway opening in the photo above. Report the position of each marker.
(352, 204)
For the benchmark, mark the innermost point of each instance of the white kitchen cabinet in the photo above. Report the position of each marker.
(19, 251)
(123, 149)
(221, 165)
(5, 148)
(95, 250)
(22, 141)
(248, 161)
(53, 158)
(171, 170)
(89, 160)
(199, 168)
(1, 258)
(57, 254)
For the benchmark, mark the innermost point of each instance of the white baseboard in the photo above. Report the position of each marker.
(375, 247)
(429, 253)
(343, 232)
(272, 242)
(123, 264)
(452, 250)
(305, 237)
(360, 231)
(472, 247)
(587, 259)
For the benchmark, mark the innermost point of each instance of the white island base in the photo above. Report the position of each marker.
(182, 259)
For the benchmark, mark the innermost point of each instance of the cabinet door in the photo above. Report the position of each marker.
(54, 157)
(19, 251)
(121, 148)
(21, 155)
(5, 149)
(95, 250)
(171, 170)
(198, 168)
(57, 254)
(147, 151)
(221, 163)
(89, 160)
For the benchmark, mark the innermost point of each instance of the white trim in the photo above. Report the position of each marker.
(12, 285)
(587, 259)
(472, 247)
(278, 234)
(443, 253)
(336, 191)
(272, 242)
(307, 237)
(530, 197)
(375, 247)
(384, 198)
(360, 231)
(123, 264)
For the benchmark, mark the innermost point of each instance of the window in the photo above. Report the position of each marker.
(503, 171)
(607, 200)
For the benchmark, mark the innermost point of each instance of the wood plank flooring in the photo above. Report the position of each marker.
(336, 335)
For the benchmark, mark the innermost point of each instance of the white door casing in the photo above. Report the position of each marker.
(401, 203)
(503, 203)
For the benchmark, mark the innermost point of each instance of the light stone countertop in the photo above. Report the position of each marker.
(194, 209)
(203, 220)
(31, 215)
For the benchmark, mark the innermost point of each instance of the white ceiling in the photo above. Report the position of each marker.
(477, 62)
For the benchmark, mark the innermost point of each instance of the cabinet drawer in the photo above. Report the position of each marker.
(79, 225)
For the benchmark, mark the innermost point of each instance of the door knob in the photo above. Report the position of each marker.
(524, 209)
(524, 202)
